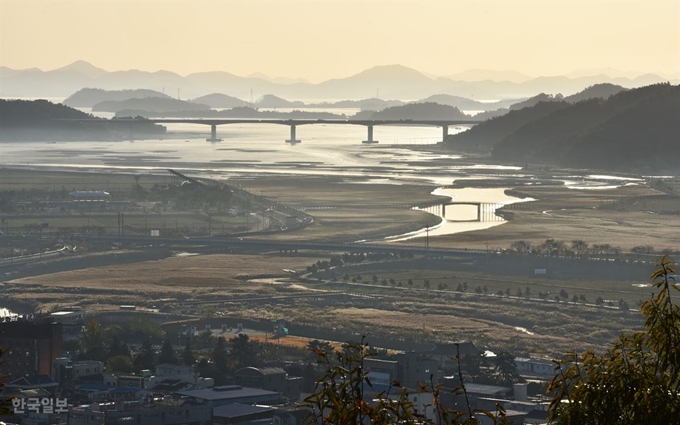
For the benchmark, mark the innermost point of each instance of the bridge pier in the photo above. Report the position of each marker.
(213, 134)
(370, 136)
(293, 140)
(445, 132)
(479, 212)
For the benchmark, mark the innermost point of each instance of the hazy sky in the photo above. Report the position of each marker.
(328, 38)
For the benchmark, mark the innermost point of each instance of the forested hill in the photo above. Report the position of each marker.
(644, 136)
(631, 125)
(23, 113)
(43, 120)
(416, 111)
(150, 104)
(596, 91)
(87, 98)
(219, 100)
(603, 91)
(534, 100)
(635, 128)
(484, 136)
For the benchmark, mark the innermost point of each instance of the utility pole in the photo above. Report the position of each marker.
(427, 239)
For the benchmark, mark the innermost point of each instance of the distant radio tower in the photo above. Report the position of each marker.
(252, 103)
(377, 93)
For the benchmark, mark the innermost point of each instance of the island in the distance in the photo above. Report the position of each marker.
(44, 120)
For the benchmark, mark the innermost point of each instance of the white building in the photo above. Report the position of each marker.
(535, 367)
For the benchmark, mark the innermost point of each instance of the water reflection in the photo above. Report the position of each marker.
(465, 210)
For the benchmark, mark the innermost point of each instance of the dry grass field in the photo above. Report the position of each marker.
(170, 279)
(624, 217)
(610, 216)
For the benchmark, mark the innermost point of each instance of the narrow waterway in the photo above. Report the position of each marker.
(467, 209)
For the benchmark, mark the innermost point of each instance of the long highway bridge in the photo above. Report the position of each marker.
(369, 124)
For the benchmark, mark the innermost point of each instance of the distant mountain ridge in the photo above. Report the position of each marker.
(603, 91)
(472, 75)
(271, 101)
(469, 104)
(88, 97)
(150, 104)
(238, 112)
(84, 68)
(219, 100)
(390, 81)
(483, 137)
(418, 111)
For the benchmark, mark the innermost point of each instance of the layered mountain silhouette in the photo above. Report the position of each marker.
(147, 102)
(88, 97)
(417, 111)
(219, 100)
(390, 81)
(150, 104)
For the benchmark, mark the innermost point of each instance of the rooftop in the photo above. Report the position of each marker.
(533, 360)
(451, 349)
(236, 410)
(486, 389)
(227, 392)
(262, 370)
(110, 388)
(36, 381)
(67, 313)
(19, 393)
(172, 366)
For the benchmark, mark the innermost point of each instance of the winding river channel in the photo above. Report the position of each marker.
(326, 149)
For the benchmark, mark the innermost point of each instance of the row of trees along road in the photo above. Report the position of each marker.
(636, 381)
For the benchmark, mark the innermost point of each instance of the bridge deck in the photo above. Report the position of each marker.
(212, 121)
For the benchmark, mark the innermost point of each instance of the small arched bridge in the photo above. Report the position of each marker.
(486, 212)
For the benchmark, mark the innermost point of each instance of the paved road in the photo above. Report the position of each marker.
(272, 245)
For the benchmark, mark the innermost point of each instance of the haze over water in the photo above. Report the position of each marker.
(250, 150)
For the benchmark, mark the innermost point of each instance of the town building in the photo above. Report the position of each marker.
(69, 315)
(31, 348)
(66, 372)
(271, 379)
(532, 367)
(105, 393)
(242, 414)
(410, 369)
(228, 394)
(291, 417)
(445, 354)
(36, 382)
(174, 372)
(150, 411)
